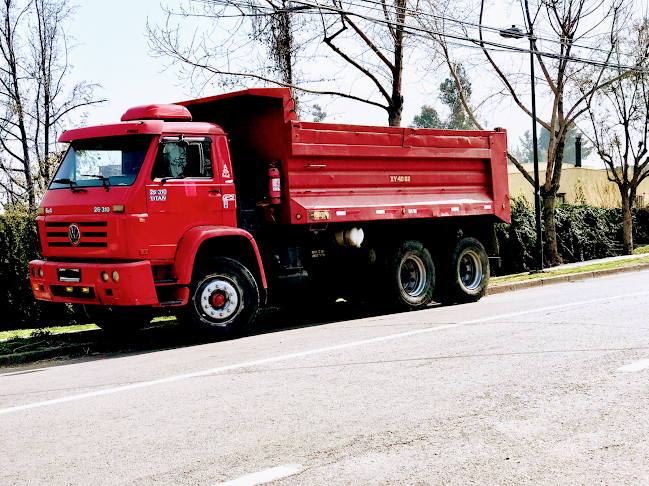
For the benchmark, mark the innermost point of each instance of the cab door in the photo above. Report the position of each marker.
(184, 191)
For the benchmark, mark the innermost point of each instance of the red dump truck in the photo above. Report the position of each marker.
(211, 208)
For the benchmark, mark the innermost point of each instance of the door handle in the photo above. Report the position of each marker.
(214, 193)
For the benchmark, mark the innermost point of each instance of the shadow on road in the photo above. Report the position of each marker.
(98, 344)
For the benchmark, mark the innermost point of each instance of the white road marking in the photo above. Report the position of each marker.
(553, 307)
(264, 476)
(220, 369)
(23, 372)
(310, 352)
(636, 366)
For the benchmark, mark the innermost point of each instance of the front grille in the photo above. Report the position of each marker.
(92, 235)
(65, 224)
(86, 244)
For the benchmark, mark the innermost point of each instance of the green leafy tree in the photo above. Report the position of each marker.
(318, 113)
(450, 97)
(525, 152)
(428, 118)
(569, 152)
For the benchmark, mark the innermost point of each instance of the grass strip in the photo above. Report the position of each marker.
(568, 271)
(641, 250)
(25, 333)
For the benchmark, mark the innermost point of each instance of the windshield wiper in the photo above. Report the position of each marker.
(72, 184)
(104, 180)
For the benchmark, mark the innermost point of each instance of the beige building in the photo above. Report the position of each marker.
(578, 184)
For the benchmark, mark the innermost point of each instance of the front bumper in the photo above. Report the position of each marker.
(58, 283)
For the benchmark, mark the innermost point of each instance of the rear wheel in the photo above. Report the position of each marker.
(224, 299)
(412, 276)
(468, 276)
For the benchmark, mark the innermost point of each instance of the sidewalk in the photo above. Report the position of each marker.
(496, 288)
(610, 259)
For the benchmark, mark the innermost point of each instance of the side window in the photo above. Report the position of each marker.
(207, 160)
(183, 158)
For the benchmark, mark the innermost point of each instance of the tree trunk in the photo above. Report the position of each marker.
(549, 193)
(396, 106)
(394, 115)
(627, 223)
(550, 248)
(284, 46)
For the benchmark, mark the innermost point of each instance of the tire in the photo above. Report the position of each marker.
(223, 299)
(468, 275)
(118, 319)
(412, 276)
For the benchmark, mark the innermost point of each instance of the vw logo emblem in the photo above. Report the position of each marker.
(74, 234)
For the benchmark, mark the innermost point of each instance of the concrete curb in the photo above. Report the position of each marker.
(571, 277)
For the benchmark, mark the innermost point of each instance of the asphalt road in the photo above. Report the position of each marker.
(543, 386)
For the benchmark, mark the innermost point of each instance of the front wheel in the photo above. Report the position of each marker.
(412, 276)
(224, 299)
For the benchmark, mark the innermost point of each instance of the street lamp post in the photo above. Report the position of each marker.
(578, 151)
(515, 33)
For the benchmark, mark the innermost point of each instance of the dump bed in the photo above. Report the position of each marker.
(344, 173)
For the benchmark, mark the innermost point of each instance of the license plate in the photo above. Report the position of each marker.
(318, 215)
(68, 274)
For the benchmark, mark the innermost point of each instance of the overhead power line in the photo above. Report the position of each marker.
(418, 30)
(376, 5)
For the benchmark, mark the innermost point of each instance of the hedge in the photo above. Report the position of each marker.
(19, 245)
(583, 233)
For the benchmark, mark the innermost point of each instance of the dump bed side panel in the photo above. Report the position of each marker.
(344, 173)
(351, 173)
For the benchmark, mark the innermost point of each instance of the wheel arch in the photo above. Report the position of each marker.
(201, 243)
(442, 236)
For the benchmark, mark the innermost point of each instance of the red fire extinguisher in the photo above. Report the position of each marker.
(274, 185)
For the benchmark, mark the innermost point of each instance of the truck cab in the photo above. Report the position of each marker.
(120, 204)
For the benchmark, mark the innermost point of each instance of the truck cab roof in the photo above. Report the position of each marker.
(146, 120)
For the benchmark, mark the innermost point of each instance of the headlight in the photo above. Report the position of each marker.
(104, 276)
(40, 272)
(115, 276)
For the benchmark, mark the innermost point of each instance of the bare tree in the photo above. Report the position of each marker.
(265, 30)
(34, 52)
(619, 121)
(14, 122)
(386, 46)
(570, 22)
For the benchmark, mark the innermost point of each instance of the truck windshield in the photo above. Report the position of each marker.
(107, 162)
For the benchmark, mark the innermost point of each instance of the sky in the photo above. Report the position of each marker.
(112, 50)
